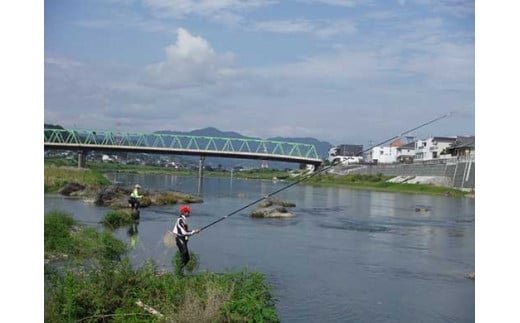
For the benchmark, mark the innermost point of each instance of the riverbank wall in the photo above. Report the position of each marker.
(458, 174)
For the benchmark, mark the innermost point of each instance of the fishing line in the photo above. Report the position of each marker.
(319, 172)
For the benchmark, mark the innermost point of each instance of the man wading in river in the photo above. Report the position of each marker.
(181, 233)
(135, 198)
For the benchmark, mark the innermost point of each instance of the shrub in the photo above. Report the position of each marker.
(57, 232)
(251, 300)
(117, 218)
(191, 266)
(62, 235)
(110, 291)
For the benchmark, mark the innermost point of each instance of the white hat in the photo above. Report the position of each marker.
(137, 186)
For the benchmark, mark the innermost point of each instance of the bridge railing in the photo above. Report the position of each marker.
(101, 138)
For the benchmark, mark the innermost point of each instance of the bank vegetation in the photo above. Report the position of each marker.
(88, 278)
(56, 176)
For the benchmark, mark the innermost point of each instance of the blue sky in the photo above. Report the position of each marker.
(344, 71)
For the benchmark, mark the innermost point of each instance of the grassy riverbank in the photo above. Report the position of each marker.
(94, 282)
(54, 177)
(248, 174)
(380, 183)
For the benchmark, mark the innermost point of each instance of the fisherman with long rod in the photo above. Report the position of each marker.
(182, 234)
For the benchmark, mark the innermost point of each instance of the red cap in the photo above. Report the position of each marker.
(185, 209)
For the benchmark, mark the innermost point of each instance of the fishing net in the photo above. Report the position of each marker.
(169, 240)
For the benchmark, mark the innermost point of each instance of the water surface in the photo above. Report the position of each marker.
(347, 256)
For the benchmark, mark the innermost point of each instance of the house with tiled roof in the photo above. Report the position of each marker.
(462, 147)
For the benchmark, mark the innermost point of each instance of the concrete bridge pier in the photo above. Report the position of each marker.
(82, 158)
(201, 174)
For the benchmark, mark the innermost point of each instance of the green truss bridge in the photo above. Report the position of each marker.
(175, 144)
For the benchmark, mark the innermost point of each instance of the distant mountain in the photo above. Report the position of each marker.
(322, 147)
(209, 131)
(51, 126)
(214, 132)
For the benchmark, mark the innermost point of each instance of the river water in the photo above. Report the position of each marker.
(347, 255)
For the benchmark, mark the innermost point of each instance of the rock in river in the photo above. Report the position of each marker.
(270, 208)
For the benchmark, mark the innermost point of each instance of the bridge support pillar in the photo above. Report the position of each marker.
(201, 174)
(82, 158)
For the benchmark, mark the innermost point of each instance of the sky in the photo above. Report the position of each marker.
(342, 71)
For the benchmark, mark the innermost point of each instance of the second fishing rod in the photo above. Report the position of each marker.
(319, 171)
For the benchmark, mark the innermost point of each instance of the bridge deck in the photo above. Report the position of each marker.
(246, 148)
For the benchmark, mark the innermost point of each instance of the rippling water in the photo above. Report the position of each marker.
(347, 256)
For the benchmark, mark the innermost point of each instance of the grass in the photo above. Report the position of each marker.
(266, 173)
(143, 169)
(112, 290)
(380, 183)
(108, 288)
(191, 266)
(55, 177)
(116, 218)
(64, 238)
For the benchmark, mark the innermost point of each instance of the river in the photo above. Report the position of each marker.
(347, 255)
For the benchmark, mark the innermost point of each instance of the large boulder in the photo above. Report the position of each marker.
(272, 212)
(270, 202)
(111, 195)
(117, 196)
(71, 189)
(170, 197)
(273, 208)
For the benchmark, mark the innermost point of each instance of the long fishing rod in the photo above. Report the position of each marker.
(263, 198)
(408, 131)
(318, 172)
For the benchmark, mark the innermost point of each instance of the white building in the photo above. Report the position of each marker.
(384, 155)
(396, 152)
(433, 148)
(406, 153)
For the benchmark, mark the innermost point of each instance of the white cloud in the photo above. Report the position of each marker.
(346, 65)
(447, 65)
(341, 3)
(61, 62)
(181, 8)
(336, 28)
(191, 61)
(285, 26)
(318, 28)
(457, 8)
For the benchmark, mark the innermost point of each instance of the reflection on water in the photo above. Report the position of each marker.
(133, 233)
(347, 256)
